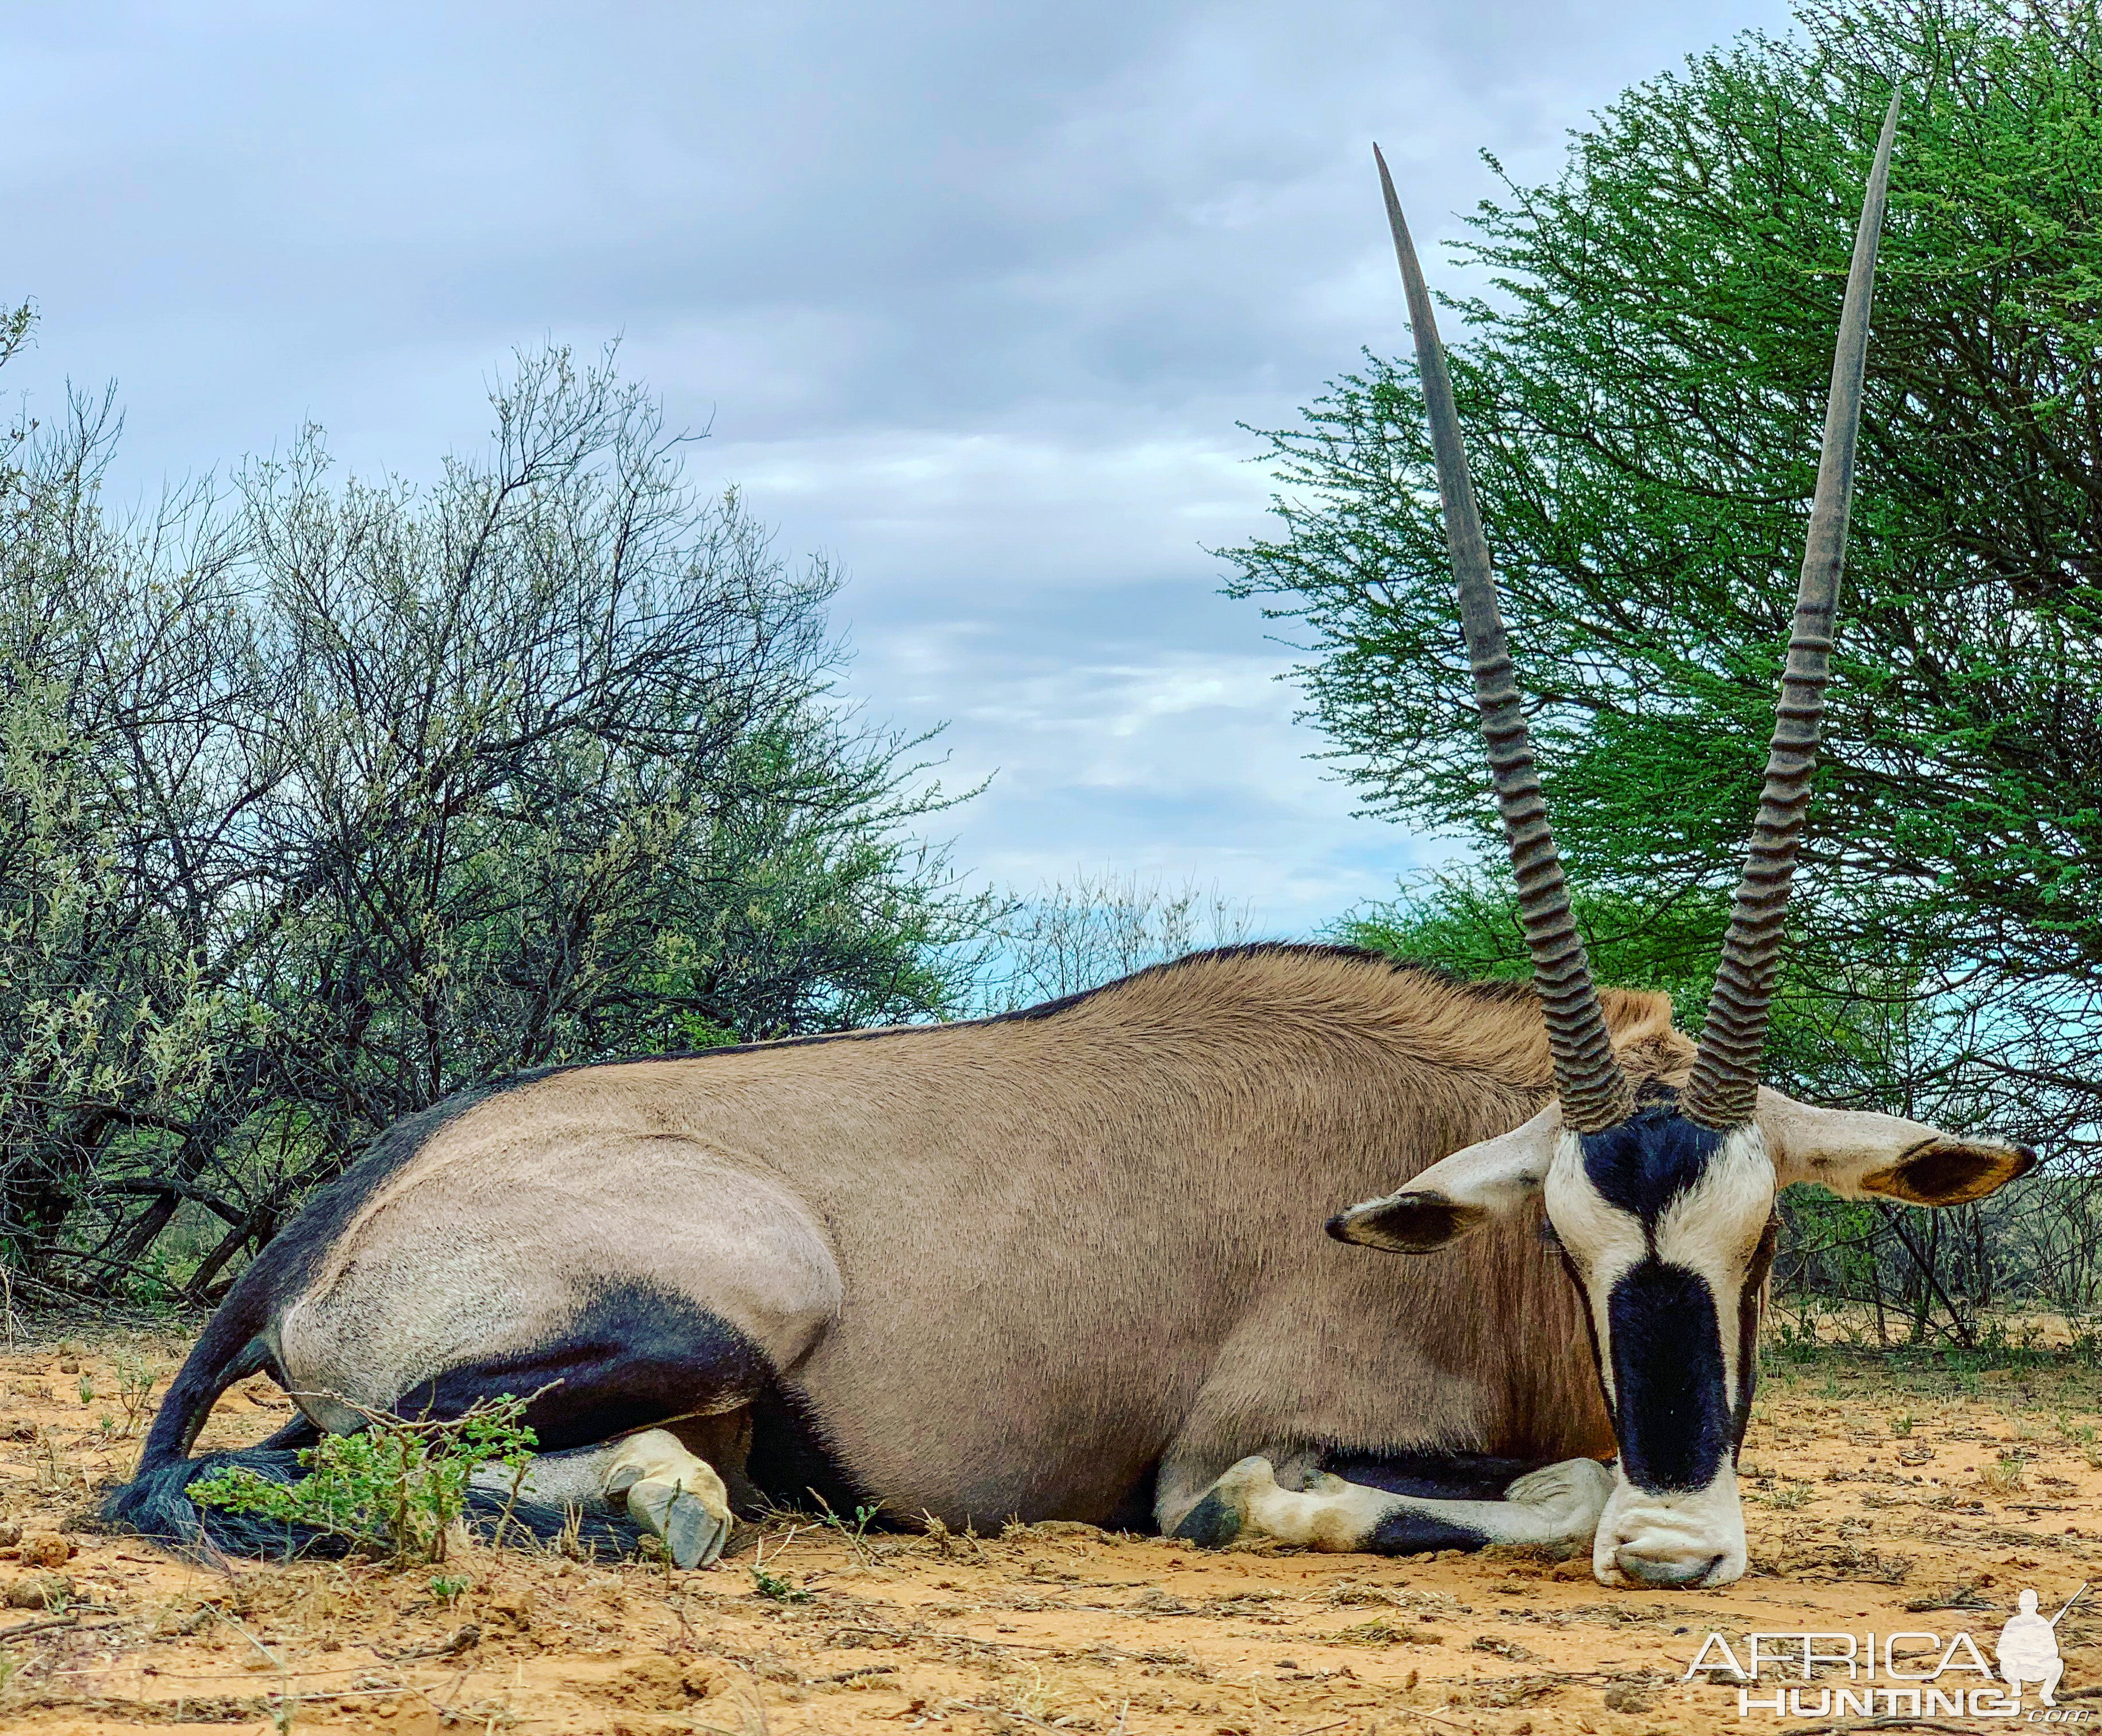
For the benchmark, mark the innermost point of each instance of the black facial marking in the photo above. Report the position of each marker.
(632, 1356)
(1671, 1414)
(1591, 1327)
(1646, 1161)
(1406, 1533)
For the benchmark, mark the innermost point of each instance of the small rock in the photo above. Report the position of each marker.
(10, 1533)
(508, 1611)
(39, 1592)
(69, 1365)
(45, 1549)
(1628, 1698)
(653, 1682)
(707, 1677)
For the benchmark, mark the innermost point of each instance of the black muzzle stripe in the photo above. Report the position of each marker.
(1672, 1411)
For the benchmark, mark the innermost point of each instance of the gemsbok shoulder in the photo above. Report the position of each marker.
(1071, 1263)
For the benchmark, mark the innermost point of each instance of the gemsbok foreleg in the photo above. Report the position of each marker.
(1418, 1505)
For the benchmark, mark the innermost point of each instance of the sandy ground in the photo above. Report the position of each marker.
(1876, 1500)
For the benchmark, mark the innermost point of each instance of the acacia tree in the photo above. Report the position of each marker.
(323, 798)
(1642, 393)
(1072, 935)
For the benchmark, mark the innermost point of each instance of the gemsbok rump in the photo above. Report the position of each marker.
(1069, 1262)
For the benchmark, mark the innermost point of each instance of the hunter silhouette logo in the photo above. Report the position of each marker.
(1907, 1676)
(2028, 1647)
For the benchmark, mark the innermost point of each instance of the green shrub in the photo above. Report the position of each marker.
(393, 1490)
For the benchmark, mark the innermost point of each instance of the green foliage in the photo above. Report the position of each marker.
(1829, 1036)
(1466, 922)
(135, 1380)
(855, 1536)
(321, 798)
(773, 1586)
(393, 1489)
(1642, 391)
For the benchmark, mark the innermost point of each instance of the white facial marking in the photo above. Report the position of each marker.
(1690, 1537)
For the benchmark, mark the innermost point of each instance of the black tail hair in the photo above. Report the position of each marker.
(157, 1503)
(153, 1504)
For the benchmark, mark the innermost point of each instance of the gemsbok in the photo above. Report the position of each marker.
(1069, 1262)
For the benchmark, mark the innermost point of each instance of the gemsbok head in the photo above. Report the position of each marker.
(1663, 1201)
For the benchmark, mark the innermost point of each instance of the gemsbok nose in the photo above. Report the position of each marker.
(1668, 1568)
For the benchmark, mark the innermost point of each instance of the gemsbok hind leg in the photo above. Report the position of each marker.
(634, 1342)
(1404, 1505)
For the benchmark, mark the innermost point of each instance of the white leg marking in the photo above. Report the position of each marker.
(1560, 1503)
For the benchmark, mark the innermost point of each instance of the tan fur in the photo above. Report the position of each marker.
(1066, 1246)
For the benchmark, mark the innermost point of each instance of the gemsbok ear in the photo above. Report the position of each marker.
(1458, 1194)
(1856, 1152)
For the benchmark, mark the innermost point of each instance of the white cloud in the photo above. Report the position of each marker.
(973, 297)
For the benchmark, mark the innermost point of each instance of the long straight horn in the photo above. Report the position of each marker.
(1724, 1087)
(1594, 1094)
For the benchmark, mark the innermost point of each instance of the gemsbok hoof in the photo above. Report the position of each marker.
(1218, 1519)
(675, 1496)
(1569, 1496)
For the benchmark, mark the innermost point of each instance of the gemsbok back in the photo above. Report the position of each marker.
(1069, 1262)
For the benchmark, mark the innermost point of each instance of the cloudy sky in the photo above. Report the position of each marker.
(971, 297)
